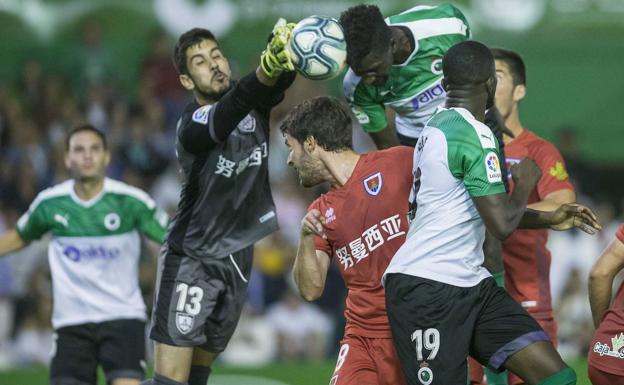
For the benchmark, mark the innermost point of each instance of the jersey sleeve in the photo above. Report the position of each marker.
(370, 113)
(554, 174)
(32, 224)
(320, 243)
(478, 165)
(151, 221)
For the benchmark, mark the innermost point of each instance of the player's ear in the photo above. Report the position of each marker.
(519, 92)
(310, 144)
(187, 82)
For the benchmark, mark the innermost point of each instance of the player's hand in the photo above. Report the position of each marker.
(276, 59)
(572, 215)
(312, 224)
(526, 173)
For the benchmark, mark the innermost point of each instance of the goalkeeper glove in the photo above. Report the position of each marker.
(276, 58)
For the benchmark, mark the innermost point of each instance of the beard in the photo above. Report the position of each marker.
(309, 172)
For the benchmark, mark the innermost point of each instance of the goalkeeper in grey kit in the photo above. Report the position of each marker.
(225, 205)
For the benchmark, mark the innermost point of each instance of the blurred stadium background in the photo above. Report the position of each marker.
(108, 62)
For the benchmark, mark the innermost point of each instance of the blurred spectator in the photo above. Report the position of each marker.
(94, 57)
(301, 328)
(254, 342)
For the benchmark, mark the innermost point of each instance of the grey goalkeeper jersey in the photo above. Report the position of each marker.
(226, 202)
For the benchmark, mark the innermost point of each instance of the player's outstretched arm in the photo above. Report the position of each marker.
(10, 242)
(385, 138)
(311, 265)
(610, 263)
(501, 213)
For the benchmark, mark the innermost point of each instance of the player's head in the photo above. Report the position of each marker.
(201, 64)
(86, 154)
(469, 66)
(313, 128)
(369, 43)
(511, 80)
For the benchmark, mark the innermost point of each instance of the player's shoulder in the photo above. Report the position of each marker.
(350, 84)
(459, 126)
(50, 194)
(118, 188)
(391, 155)
(423, 12)
(538, 145)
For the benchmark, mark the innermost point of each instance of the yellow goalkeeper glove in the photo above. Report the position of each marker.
(276, 58)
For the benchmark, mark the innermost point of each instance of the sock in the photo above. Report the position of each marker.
(494, 378)
(564, 377)
(162, 380)
(499, 278)
(199, 375)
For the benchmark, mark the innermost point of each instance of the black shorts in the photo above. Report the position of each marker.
(435, 326)
(119, 346)
(198, 303)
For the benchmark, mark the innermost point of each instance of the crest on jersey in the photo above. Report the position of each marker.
(201, 114)
(425, 375)
(247, 125)
(372, 184)
(184, 322)
(112, 221)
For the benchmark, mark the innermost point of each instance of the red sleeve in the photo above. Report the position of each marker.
(320, 243)
(619, 234)
(554, 173)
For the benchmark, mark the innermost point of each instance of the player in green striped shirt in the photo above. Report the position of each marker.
(95, 223)
(397, 63)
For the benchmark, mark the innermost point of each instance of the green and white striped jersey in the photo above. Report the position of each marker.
(456, 160)
(414, 88)
(95, 248)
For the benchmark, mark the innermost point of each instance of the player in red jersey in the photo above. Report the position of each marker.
(606, 352)
(360, 223)
(525, 256)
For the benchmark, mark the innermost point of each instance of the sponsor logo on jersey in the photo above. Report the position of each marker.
(492, 168)
(91, 252)
(247, 125)
(112, 221)
(62, 219)
(558, 171)
(436, 66)
(201, 114)
(427, 96)
(330, 215)
(360, 115)
(616, 349)
(184, 322)
(372, 184)
(425, 375)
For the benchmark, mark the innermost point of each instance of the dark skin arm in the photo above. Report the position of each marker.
(385, 138)
(502, 214)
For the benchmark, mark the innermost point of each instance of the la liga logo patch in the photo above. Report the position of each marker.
(492, 168)
(372, 184)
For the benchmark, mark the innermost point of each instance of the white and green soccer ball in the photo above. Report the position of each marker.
(318, 48)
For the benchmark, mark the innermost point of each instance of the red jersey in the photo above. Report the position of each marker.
(607, 349)
(525, 256)
(366, 223)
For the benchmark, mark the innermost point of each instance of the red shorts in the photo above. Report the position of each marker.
(598, 377)
(367, 361)
(476, 371)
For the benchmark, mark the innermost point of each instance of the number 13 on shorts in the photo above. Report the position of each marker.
(428, 339)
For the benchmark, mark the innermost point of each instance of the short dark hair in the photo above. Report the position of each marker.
(365, 30)
(82, 128)
(468, 63)
(325, 118)
(186, 40)
(514, 62)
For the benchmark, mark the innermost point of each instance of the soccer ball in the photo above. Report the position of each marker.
(318, 48)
